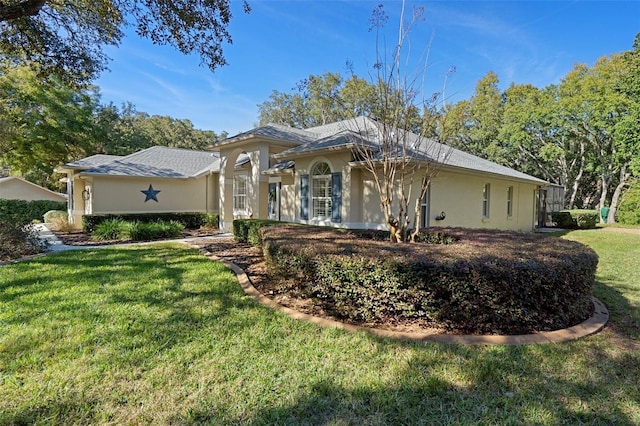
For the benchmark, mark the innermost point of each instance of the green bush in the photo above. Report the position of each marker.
(629, 209)
(18, 240)
(140, 231)
(575, 219)
(248, 230)
(57, 219)
(24, 212)
(109, 230)
(118, 229)
(485, 281)
(189, 220)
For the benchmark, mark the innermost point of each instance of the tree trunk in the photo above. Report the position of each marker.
(624, 177)
(576, 181)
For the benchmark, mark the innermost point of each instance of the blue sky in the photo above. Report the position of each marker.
(282, 42)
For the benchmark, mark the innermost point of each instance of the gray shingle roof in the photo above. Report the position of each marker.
(365, 131)
(160, 161)
(93, 161)
(273, 132)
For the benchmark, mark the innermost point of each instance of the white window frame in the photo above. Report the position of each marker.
(510, 201)
(321, 191)
(240, 194)
(486, 201)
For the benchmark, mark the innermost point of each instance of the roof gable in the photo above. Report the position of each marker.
(160, 161)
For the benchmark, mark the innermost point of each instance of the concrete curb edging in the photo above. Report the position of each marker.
(588, 327)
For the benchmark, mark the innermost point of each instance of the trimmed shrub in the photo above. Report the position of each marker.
(24, 212)
(57, 219)
(248, 230)
(628, 212)
(18, 240)
(189, 220)
(485, 281)
(575, 219)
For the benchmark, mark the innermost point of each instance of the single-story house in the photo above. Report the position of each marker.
(157, 179)
(15, 188)
(313, 176)
(316, 176)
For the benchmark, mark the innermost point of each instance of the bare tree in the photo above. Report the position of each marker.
(392, 146)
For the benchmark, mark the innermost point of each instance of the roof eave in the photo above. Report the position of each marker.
(251, 137)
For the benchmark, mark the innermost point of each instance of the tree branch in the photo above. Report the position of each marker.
(9, 12)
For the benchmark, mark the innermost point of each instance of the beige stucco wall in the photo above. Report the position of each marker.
(338, 162)
(114, 194)
(458, 193)
(460, 196)
(17, 189)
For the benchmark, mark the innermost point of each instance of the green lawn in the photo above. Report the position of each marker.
(160, 335)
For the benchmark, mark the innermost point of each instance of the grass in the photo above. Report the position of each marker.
(160, 335)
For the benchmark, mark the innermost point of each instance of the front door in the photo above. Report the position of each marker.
(274, 201)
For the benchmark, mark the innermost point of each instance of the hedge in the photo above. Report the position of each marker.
(487, 281)
(24, 212)
(189, 220)
(247, 230)
(628, 212)
(575, 219)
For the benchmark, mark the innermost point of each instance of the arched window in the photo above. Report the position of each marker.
(321, 191)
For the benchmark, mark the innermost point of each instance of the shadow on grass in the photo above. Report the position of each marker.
(487, 389)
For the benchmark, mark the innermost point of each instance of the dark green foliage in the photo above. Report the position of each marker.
(118, 229)
(629, 210)
(18, 240)
(139, 231)
(485, 281)
(189, 220)
(575, 219)
(24, 212)
(247, 230)
(108, 230)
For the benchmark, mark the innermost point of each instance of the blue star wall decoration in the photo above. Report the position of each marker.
(151, 194)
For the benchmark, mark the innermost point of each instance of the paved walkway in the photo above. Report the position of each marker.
(586, 328)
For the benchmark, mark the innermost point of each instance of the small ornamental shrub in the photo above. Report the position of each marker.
(628, 212)
(109, 230)
(57, 219)
(18, 240)
(482, 281)
(575, 219)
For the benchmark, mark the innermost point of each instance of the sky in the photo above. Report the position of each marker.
(282, 42)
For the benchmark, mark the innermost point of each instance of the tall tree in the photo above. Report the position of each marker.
(591, 106)
(124, 131)
(475, 123)
(67, 37)
(45, 123)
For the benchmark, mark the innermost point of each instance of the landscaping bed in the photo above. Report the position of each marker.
(482, 281)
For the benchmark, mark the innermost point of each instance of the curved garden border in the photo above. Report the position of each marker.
(588, 327)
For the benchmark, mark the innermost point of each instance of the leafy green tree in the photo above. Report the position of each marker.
(46, 123)
(67, 37)
(125, 131)
(592, 106)
(475, 123)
